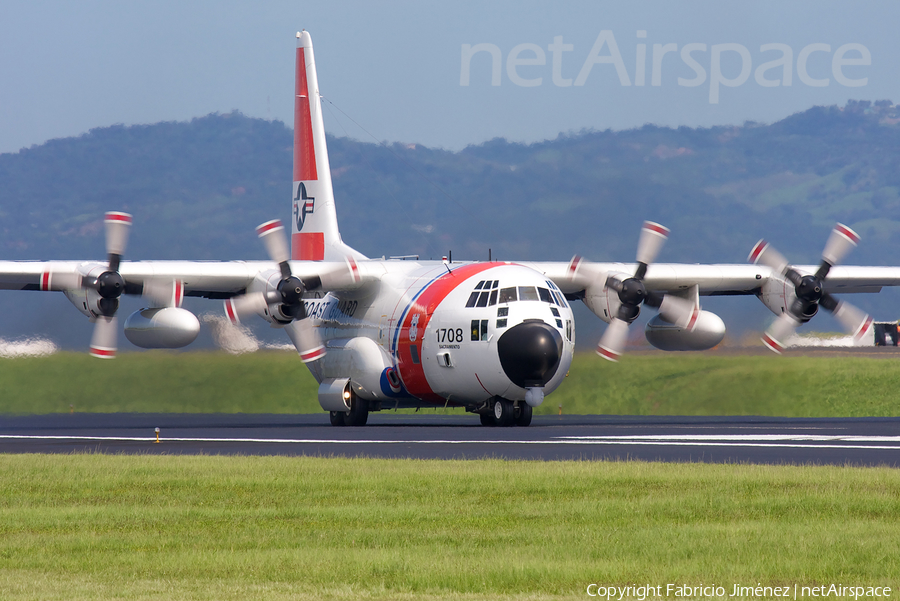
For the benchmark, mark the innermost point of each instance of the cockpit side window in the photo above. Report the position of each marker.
(545, 295)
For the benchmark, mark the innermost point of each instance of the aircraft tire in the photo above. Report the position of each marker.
(523, 414)
(504, 413)
(487, 419)
(359, 412)
(337, 418)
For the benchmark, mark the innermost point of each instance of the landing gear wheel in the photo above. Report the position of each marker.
(359, 412)
(337, 418)
(504, 412)
(487, 419)
(523, 414)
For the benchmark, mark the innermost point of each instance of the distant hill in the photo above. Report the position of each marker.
(197, 189)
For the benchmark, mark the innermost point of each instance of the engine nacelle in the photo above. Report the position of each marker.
(777, 294)
(708, 331)
(598, 299)
(169, 327)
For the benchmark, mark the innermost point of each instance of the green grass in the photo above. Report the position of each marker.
(161, 527)
(641, 384)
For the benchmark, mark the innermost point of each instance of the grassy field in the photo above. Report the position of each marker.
(157, 527)
(641, 384)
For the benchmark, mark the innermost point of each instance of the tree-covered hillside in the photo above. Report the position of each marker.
(197, 190)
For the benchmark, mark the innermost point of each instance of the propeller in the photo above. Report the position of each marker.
(109, 285)
(810, 290)
(287, 297)
(632, 294)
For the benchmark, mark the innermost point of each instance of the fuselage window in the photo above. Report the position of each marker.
(475, 329)
(545, 295)
(502, 311)
(555, 311)
(528, 293)
(507, 295)
(501, 323)
(559, 324)
(484, 329)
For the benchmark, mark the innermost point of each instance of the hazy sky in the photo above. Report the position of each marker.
(400, 69)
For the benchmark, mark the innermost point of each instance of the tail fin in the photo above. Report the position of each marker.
(314, 233)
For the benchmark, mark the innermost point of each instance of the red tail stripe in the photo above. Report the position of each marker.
(304, 146)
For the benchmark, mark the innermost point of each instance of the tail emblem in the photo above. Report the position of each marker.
(303, 205)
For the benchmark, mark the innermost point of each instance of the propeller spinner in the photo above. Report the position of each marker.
(810, 291)
(287, 297)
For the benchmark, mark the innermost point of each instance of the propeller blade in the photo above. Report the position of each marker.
(162, 293)
(272, 235)
(841, 241)
(340, 277)
(117, 227)
(855, 321)
(679, 311)
(653, 236)
(612, 343)
(776, 336)
(306, 340)
(244, 305)
(105, 337)
(764, 254)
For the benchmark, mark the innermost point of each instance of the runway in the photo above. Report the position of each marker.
(762, 440)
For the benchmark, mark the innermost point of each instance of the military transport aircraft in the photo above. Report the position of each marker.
(492, 337)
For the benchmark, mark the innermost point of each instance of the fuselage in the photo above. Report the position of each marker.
(448, 334)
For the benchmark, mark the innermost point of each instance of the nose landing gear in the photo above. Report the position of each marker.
(507, 413)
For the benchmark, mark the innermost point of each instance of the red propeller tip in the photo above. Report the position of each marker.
(268, 226)
(773, 344)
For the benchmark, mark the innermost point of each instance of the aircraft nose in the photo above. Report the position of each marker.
(530, 353)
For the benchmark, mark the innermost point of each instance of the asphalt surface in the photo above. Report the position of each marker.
(762, 440)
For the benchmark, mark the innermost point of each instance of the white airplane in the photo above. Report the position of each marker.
(491, 337)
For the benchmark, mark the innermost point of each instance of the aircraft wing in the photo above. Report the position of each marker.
(717, 279)
(209, 279)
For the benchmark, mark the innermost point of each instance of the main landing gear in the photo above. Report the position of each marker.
(506, 413)
(357, 416)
